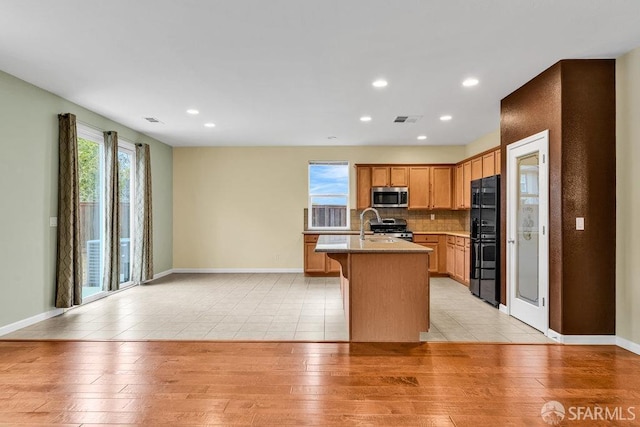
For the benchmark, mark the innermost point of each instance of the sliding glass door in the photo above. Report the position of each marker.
(90, 170)
(126, 164)
(92, 209)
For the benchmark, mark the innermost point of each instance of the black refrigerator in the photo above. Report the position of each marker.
(484, 280)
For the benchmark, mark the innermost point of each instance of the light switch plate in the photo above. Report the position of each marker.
(433, 216)
(53, 221)
(579, 223)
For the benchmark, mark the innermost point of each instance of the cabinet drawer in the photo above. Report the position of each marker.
(459, 241)
(451, 240)
(311, 238)
(426, 238)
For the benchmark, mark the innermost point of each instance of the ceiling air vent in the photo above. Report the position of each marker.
(407, 119)
(152, 120)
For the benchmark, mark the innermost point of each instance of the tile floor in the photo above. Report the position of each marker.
(261, 307)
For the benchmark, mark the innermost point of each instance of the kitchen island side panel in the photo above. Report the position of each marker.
(389, 296)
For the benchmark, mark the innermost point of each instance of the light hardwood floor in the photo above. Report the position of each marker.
(326, 384)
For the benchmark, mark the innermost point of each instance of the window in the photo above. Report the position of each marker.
(126, 165)
(328, 195)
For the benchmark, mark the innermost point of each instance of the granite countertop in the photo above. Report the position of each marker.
(457, 233)
(349, 243)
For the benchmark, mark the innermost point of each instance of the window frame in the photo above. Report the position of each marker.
(310, 197)
(130, 148)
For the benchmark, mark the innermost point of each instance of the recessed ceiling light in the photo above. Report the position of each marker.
(365, 118)
(193, 111)
(470, 82)
(422, 137)
(379, 83)
(209, 125)
(446, 118)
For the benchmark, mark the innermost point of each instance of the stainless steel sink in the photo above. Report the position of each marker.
(382, 239)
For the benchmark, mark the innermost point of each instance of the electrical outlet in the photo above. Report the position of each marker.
(433, 216)
(53, 221)
(579, 223)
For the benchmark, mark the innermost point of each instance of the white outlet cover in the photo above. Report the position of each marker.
(580, 223)
(53, 221)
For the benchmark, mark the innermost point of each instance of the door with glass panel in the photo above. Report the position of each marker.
(126, 164)
(91, 181)
(527, 230)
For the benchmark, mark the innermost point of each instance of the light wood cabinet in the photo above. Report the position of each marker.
(459, 186)
(476, 168)
(466, 191)
(467, 260)
(363, 189)
(419, 184)
(459, 263)
(389, 176)
(498, 160)
(379, 177)
(399, 176)
(437, 258)
(488, 164)
(441, 187)
(318, 263)
(430, 187)
(451, 255)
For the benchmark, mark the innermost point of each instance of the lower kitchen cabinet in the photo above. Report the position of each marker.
(437, 258)
(458, 258)
(451, 255)
(317, 263)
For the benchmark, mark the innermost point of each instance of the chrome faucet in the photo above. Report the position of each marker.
(362, 220)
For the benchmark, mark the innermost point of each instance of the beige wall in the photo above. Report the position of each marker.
(484, 143)
(28, 185)
(242, 208)
(628, 197)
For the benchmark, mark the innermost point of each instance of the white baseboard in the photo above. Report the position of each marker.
(582, 339)
(628, 345)
(503, 309)
(162, 274)
(237, 270)
(30, 321)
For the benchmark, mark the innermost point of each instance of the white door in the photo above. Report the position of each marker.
(527, 230)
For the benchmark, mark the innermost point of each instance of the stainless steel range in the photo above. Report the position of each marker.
(392, 227)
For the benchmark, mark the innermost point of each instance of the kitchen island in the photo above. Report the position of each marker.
(385, 286)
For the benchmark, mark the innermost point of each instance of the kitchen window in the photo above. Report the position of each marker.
(328, 206)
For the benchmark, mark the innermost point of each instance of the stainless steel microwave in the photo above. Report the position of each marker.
(389, 197)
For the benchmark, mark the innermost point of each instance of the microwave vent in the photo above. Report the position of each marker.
(406, 119)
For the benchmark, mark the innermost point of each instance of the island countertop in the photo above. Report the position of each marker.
(347, 243)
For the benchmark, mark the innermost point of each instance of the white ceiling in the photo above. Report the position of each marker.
(294, 72)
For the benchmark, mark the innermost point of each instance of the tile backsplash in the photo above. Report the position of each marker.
(416, 220)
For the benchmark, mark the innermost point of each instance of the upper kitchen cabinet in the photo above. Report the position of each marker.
(476, 168)
(363, 190)
(389, 176)
(463, 185)
(488, 164)
(430, 187)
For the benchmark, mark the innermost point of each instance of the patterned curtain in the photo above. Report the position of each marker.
(142, 240)
(69, 261)
(111, 276)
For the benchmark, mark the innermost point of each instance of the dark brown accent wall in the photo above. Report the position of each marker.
(575, 101)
